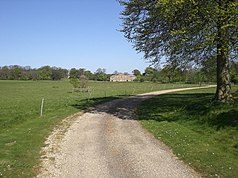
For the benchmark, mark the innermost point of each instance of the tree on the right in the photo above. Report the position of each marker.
(185, 31)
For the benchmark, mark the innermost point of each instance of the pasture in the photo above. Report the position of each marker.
(202, 134)
(23, 131)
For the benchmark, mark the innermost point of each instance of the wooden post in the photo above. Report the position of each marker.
(42, 106)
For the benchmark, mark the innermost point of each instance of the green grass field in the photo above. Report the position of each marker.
(202, 134)
(23, 131)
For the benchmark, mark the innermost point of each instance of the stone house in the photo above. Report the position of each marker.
(122, 78)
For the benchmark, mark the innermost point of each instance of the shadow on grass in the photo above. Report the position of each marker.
(229, 118)
(86, 104)
(167, 107)
(190, 107)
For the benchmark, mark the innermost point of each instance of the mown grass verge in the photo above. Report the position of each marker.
(23, 131)
(204, 135)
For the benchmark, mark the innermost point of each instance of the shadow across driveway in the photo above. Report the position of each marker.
(123, 108)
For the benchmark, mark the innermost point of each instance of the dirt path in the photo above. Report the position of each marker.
(108, 142)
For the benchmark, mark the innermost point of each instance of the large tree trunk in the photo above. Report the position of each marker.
(223, 92)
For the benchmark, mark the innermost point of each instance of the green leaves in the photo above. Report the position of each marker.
(178, 29)
(185, 31)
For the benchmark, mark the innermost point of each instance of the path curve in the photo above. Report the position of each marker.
(106, 142)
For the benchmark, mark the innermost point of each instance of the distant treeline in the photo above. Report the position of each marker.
(167, 74)
(188, 73)
(16, 72)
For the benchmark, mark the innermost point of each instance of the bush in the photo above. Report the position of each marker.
(83, 81)
(75, 82)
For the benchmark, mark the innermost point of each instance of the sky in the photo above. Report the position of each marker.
(66, 34)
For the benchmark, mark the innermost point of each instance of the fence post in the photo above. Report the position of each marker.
(42, 106)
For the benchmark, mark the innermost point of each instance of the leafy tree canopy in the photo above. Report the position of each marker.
(179, 29)
(183, 31)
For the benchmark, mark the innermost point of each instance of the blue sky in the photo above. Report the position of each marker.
(65, 33)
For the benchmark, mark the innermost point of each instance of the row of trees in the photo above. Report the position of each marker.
(167, 74)
(99, 75)
(188, 74)
(16, 72)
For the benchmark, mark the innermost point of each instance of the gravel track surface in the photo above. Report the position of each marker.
(107, 141)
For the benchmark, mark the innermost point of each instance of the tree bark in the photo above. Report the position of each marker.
(223, 91)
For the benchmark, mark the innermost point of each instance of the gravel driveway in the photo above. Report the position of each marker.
(107, 141)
